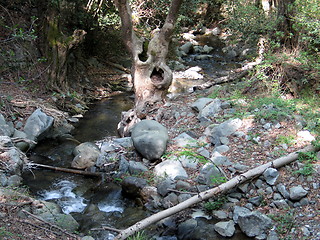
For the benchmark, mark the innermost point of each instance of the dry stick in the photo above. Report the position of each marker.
(210, 193)
(182, 192)
(68, 170)
(107, 228)
(43, 228)
(52, 225)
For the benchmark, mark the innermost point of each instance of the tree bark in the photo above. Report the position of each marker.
(285, 15)
(59, 48)
(150, 73)
(222, 188)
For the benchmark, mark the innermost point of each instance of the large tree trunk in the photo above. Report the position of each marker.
(59, 48)
(285, 15)
(150, 73)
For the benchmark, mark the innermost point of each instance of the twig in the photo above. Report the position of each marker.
(17, 204)
(43, 228)
(182, 192)
(68, 170)
(51, 224)
(18, 139)
(107, 228)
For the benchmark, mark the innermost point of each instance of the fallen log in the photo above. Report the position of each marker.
(67, 170)
(253, 173)
(229, 78)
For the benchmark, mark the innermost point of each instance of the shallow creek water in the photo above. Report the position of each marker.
(92, 203)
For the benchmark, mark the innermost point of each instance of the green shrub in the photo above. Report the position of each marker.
(216, 204)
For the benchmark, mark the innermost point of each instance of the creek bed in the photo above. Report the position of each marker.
(92, 203)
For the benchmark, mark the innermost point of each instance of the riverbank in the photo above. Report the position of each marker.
(269, 129)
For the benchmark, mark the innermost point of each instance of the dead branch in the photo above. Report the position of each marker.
(51, 224)
(18, 139)
(43, 228)
(222, 188)
(239, 72)
(67, 170)
(117, 66)
(15, 204)
(107, 228)
(182, 192)
(229, 78)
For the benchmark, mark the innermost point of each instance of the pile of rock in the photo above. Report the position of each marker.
(179, 176)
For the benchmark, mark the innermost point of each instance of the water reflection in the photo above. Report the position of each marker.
(102, 118)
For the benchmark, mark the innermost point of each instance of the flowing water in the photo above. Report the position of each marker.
(92, 203)
(102, 118)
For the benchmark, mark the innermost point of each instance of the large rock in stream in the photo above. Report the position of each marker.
(150, 139)
(37, 125)
(6, 129)
(86, 155)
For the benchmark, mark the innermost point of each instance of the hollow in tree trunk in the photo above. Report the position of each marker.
(150, 73)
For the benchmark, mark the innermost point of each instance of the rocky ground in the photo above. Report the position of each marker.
(257, 142)
(292, 200)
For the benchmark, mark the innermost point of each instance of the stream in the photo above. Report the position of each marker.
(92, 203)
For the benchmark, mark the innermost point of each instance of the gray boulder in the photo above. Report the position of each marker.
(86, 155)
(254, 224)
(3, 179)
(5, 128)
(225, 229)
(15, 161)
(125, 142)
(271, 175)
(225, 129)
(150, 139)
(220, 160)
(171, 169)
(201, 103)
(187, 47)
(211, 109)
(186, 228)
(164, 185)
(23, 146)
(137, 167)
(210, 174)
(5, 142)
(51, 212)
(132, 186)
(220, 214)
(207, 49)
(297, 193)
(14, 181)
(239, 211)
(185, 140)
(283, 191)
(170, 200)
(37, 125)
(188, 161)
